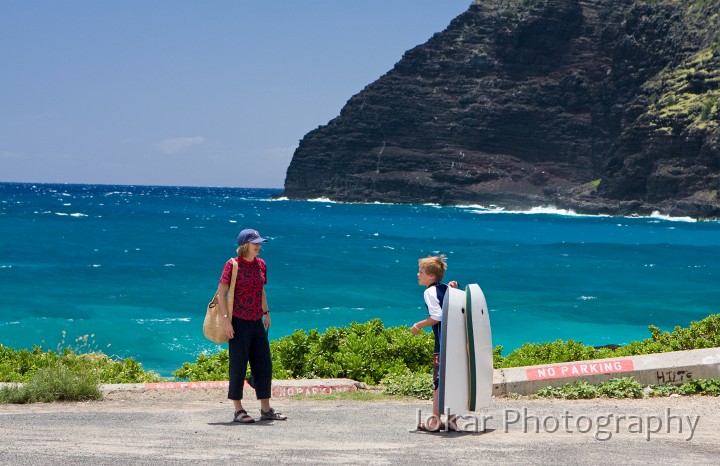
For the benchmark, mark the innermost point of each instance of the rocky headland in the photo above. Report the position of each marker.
(600, 106)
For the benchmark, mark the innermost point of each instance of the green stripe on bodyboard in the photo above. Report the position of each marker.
(472, 372)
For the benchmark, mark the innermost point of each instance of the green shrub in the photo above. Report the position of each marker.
(409, 384)
(207, 367)
(571, 391)
(56, 383)
(21, 365)
(621, 387)
(363, 352)
(628, 387)
(532, 354)
(699, 334)
(368, 352)
(701, 387)
(663, 390)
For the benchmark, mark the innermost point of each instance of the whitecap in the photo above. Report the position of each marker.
(77, 214)
(323, 199)
(168, 320)
(169, 265)
(481, 209)
(660, 216)
(552, 210)
(587, 298)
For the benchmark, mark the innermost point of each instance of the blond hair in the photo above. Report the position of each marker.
(242, 250)
(434, 265)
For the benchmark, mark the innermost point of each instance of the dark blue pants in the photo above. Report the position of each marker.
(250, 344)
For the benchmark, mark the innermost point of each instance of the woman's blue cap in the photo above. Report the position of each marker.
(249, 236)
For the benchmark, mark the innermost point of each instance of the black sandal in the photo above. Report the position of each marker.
(243, 417)
(271, 415)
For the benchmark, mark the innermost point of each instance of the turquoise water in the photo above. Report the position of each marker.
(134, 266)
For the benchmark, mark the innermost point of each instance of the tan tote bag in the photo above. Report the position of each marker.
(214, 324)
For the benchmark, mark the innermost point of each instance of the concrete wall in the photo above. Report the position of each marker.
(652, 369)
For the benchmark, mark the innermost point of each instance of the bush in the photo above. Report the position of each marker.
(207, 367)
(532, 354)
(662, 390)
(701, 387)
(368, 352)
(628, 387)
(56, 383)
(571, 391)
(622, 387)
(363, 352)
(409, 384)
(699, 334)
(21, 365)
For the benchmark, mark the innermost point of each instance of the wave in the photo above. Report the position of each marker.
(164, 321)
(660, 216)
(552, 210)
(76, 214)
(538, 210)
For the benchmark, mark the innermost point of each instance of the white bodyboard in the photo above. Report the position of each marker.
(480, 357)
(453, 379)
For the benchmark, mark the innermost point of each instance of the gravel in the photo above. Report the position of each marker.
(187, 426)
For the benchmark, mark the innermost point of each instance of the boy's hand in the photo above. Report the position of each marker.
(415, 329)
(453, 284)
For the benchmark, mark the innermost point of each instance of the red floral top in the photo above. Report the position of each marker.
(251, 278)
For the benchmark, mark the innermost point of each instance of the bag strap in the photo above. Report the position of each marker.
(231, 290)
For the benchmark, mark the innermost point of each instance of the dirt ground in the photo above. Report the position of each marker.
(184, 426)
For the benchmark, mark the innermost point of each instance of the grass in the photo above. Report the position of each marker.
(58, 383)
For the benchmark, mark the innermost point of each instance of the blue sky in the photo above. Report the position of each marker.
(204, 93)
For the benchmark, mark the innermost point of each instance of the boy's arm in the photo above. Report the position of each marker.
(418, 326)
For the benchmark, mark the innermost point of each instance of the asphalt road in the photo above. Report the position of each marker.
(192, 426)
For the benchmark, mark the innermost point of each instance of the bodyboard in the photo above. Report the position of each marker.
(453, 377)
(479, 349)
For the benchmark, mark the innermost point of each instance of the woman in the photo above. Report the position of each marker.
(247, 327)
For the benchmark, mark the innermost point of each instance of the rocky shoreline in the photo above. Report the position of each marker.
(599, 106)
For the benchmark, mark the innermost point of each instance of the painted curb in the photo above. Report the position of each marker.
(651, 369)
(280, 388)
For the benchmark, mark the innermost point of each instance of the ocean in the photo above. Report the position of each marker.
(133, 267)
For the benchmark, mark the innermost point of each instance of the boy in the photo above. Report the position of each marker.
(431, 271)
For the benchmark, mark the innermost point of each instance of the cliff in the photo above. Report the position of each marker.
(602, 106)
